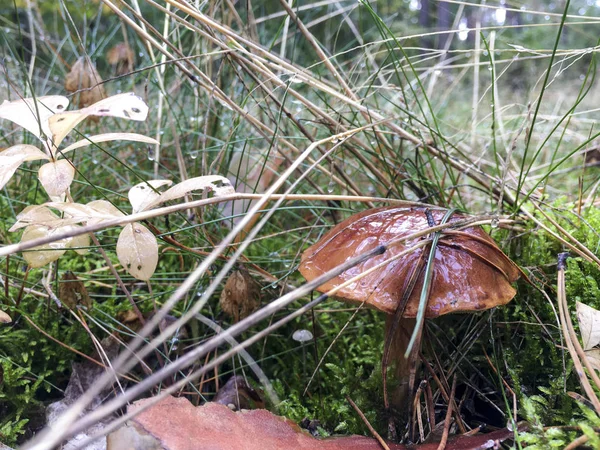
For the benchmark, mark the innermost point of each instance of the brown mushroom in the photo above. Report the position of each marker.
(470, 273)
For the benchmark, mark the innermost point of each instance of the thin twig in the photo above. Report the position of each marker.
(447, 421)
(368, 424)
(577, 442)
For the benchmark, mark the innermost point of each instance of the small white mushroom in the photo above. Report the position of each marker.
(302, 336)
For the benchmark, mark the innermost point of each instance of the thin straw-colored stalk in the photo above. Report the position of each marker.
(158, 212)
(570, 338)
(160, 70)
(475, 98)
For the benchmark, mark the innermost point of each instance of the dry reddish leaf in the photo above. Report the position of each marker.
(592, 155)
(137, 251)
(124, 106)
(470, 271)
(240, 296)
(72, 291)
(175, 424)
(56, 177)
(121, 57)
(85, 79)
(33, 114)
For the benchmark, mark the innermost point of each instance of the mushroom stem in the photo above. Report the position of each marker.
(398, 399)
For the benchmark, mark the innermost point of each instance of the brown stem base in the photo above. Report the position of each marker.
(398, 400)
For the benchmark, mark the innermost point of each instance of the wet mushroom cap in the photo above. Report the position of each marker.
(470, 272)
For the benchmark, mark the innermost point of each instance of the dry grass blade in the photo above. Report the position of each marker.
(447, 422)
(573, 345)
(144, 215)
(366, 421)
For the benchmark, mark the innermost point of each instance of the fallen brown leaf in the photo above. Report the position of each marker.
(237, 394)
(85, 78)
(240, 296)
(72, 292)
(176, 424)
(121, 57)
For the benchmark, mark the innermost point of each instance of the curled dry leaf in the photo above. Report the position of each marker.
(74, 213)
(37, 215)
(106, 137)
(216, 184)
(72, 291)
(593, 357)
(142, 195)
(103, 210)
(5, 318)
(137, 251)
(121, 57)
(237, 394)
(13, 157)
(56, 177)
(43, 254)
(80, 244)
(125, 106)
(94, 212)
(240, 296)
(589, 325)
(175, 424)
(33, 114)
(40, 221)
(85, 78)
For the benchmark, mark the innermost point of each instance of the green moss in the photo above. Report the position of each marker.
(543, 378)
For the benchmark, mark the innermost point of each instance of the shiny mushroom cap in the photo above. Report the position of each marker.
(470, 272)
